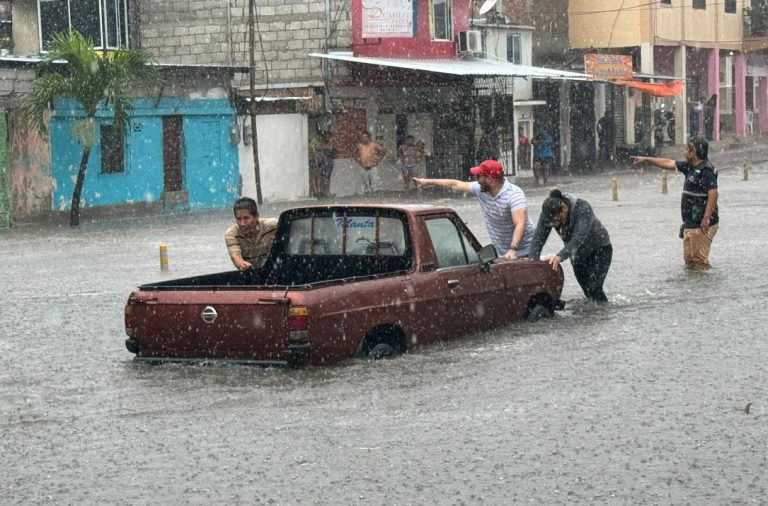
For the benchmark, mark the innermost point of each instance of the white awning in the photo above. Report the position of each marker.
(276, 99)
(480, 68)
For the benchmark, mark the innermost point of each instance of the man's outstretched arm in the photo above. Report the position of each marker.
(662, 163)
(449, 184)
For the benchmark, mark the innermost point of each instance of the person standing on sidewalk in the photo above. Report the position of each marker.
(710, 108)
(586, 240)
(410, 156)
(368, 156)
(698, 205)
(543, 156)
(504, 207)
(605, 136)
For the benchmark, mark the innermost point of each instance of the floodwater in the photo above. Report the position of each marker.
(641, 401)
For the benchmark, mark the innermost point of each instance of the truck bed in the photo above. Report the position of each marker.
(293, 270)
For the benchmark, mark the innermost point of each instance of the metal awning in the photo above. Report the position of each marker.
(470, 68)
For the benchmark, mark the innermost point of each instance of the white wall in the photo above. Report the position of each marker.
(283, 158)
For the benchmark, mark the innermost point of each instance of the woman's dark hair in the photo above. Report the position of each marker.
(700, 146)
(553, 204)
(246, 204)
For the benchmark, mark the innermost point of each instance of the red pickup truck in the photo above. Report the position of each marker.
(342, 282)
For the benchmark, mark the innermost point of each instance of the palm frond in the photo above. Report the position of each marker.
(74, 69)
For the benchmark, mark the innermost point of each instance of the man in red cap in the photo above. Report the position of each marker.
(504, 206)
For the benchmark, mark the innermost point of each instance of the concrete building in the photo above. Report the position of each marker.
(190, 149)
(697, 41)
(460, 84)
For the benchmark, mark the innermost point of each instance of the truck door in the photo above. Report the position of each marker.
(457, 297)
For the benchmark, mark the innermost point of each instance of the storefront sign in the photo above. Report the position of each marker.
(608, 67)
(388, 18)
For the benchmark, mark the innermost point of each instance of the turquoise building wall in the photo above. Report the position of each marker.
(210, 166)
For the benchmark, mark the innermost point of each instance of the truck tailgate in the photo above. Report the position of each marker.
(246, 325)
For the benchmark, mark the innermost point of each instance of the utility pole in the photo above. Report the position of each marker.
(252, 102)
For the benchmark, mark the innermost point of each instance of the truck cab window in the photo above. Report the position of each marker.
(356, 235)
(451, 247)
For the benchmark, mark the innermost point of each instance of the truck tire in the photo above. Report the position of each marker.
(382, 350)
(132, 345)
(298, 359)
(537, 312)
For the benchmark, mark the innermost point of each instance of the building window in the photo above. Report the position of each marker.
(104, 21)
(515, 48)
(730, 6)
(665, 2)
(441, 19)
(6, 20)
(112, 150)
(699, 4)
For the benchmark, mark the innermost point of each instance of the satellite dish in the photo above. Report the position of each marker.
(487, 5)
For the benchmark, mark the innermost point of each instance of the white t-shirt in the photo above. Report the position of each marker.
(497, 214)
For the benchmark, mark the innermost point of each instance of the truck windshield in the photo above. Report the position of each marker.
(357, 235)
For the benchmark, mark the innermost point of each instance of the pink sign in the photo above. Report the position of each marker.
(387, 18)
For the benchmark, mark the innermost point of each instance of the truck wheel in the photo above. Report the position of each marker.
(382, 350)
(537, 312)
(132, 345)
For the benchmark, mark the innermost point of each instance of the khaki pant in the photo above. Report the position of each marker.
(696, 246)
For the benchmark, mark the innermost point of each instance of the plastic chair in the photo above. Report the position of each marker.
(750, 124)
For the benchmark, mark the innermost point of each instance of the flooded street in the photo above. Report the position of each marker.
(641, 401)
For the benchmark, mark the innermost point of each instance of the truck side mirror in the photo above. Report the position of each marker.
(487, 254)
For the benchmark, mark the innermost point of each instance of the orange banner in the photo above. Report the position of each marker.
(663, 89)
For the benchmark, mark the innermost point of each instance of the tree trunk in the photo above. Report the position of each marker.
(74, 216)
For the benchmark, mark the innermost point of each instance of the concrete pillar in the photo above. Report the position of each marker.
(681, 101)
(762, 104)
(647, 67)
(565, 125)
(740, 84)
(599, 110)
(713, 86)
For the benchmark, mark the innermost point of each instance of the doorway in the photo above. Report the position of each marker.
(5, 184)
(173, 180)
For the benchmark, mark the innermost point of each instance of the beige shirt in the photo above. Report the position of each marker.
(252, 250)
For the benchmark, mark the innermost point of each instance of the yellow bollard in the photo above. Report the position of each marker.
(663, 182)
(614, 188)
(745, 174)
(163, 257)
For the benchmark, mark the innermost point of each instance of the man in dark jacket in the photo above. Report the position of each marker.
(699, 203)
(586, 241)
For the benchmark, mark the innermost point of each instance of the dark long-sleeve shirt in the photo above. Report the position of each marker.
(582, 233)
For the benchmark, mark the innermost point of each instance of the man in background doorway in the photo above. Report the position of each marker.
(523, 149)
(368, 155)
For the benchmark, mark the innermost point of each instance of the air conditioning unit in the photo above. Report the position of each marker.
(470, 41)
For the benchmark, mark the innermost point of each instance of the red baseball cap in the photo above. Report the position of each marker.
(490, 168)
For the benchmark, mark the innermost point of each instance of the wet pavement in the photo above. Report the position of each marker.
(641, 401)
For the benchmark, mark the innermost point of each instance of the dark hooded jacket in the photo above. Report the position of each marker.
(582, 232)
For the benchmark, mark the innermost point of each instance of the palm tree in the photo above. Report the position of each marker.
(96, 80)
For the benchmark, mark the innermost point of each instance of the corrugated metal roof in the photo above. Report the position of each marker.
(460, 67)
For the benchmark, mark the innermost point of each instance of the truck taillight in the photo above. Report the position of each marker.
(130, 323)
(298, 318)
